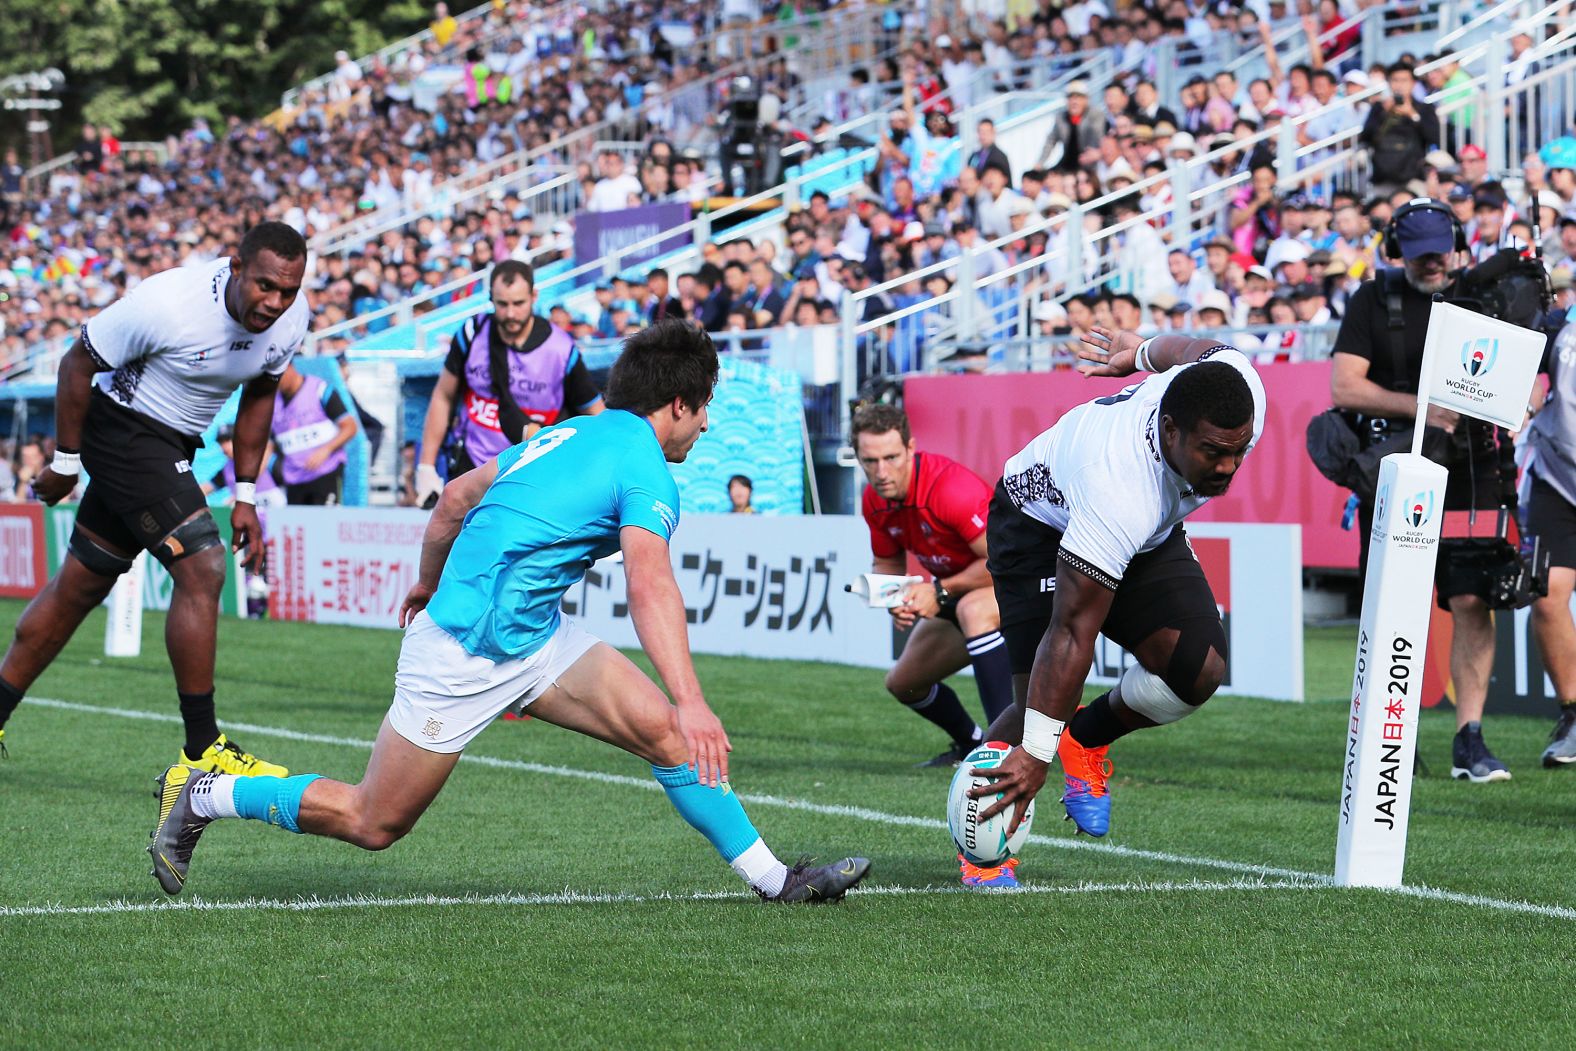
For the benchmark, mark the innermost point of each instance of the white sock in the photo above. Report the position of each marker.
(759, 867)
(214, 796)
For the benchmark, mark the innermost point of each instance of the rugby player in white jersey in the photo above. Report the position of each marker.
(134, 394)
(1085, 537)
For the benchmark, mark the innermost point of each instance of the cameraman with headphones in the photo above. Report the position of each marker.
(1378, 361)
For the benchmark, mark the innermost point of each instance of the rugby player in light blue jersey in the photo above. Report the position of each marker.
(484, 635)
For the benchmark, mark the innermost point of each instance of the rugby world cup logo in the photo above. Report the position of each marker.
(1383, 503)
(1478, 356)
(1419, 510)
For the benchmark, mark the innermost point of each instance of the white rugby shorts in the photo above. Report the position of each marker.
(444, 696)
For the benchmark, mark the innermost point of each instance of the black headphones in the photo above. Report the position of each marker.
(1392, 243)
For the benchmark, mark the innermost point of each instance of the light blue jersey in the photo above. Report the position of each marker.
(555, 508)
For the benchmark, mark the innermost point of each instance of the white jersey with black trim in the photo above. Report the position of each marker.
(1100, 478)
(176, 355)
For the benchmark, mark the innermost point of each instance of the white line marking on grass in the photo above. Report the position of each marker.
(880, 817)
(572, 897)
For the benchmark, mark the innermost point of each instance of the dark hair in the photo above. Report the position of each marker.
(1323, 74)
(734, 264)
(1400, 67)
(278, 238)
(984, 120)
(879, 418)
(509, 271)
(671, 359)
(742, 479)
(656, 271)
(1211, 391)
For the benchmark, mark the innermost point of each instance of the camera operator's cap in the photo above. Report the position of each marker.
(1049, 310)
(1425, 231)
(1078, 87)
(1460, 192)
(1472, 152)
(1215, 299)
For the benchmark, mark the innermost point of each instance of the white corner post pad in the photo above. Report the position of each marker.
(1041, 734)
(1392, 642)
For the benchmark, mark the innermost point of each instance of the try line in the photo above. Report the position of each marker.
(572, 897)
(1261, 872)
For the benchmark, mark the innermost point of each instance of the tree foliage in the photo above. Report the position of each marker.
(147, 67)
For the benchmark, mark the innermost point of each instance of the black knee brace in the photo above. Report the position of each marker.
(94, 558)
(188, 538)
(1195, 638)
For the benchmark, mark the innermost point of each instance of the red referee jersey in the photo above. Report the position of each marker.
(945, 510)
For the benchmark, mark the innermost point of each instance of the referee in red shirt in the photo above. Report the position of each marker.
(928, 505)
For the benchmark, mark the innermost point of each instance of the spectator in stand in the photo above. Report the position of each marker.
(1256, 213)
(1474, 165)
(988, 154)
(443, 24)
(1188, 283)
(616, 189)
(1491, 234)
(1399, 132)
(659, 304)
(1075, 134)
(995, 202)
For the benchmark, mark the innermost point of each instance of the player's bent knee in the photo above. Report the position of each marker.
(193, 536)
(904, 688)
(978, 612)
(1148, 694)
(1198, 661)
(96, 558)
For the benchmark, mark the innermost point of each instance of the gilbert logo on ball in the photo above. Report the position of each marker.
(983, 842)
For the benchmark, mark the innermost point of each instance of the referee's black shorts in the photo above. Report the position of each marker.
(1552, 519)
(140, 481)
(1163, 588)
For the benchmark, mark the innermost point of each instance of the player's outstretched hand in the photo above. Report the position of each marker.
(53, 488)
(416, 601)
(1019, 779)
(708, 742)
(1113, 353)
(247, 532)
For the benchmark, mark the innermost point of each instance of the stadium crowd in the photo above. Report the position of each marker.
(363, 142)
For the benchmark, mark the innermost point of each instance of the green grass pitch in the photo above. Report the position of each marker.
(544, 903)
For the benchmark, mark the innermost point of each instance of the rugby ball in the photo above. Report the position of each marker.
(983, 842)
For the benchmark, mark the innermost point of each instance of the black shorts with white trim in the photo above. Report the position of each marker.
(140, 481)
(1163, 588)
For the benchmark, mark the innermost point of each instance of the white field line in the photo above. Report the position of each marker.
(1262, 872)
(571, 897)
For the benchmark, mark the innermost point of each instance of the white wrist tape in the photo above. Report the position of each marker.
(1142, 357)
(66, 463)
(1041, 734)
(246, 493)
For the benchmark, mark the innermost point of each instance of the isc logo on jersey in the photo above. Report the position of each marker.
(983, 842)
